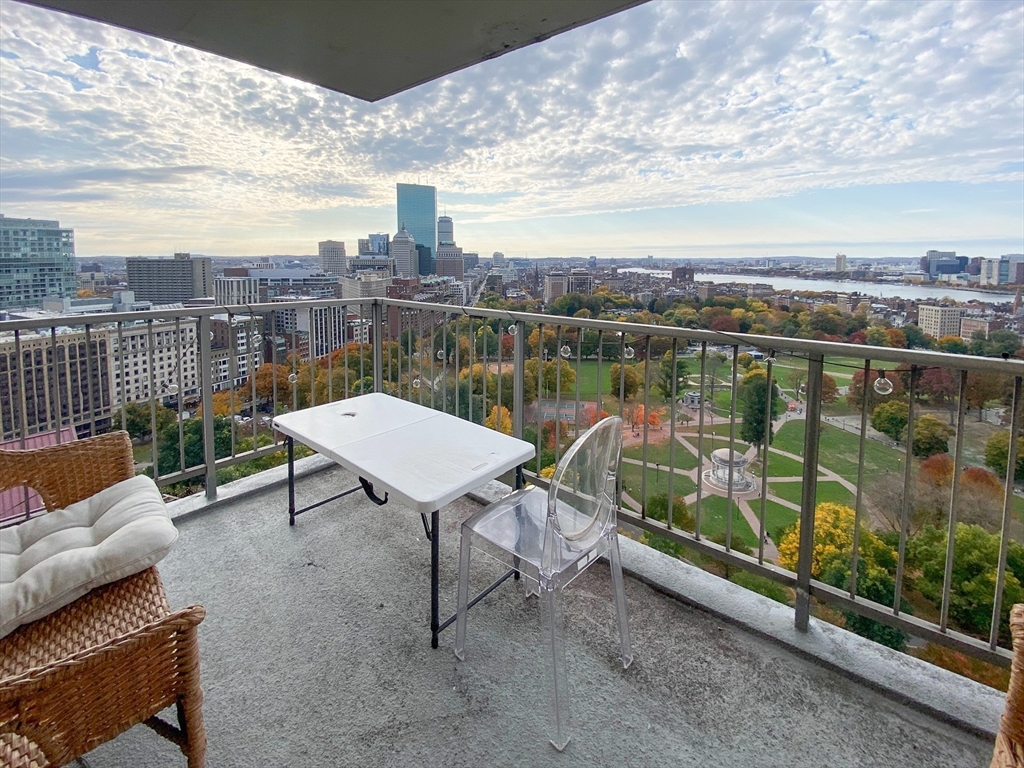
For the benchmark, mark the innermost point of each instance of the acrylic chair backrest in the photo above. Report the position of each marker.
(581, 498)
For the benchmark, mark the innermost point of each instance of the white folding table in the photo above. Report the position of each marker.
(414, 454)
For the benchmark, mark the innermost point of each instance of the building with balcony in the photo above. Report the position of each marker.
(157, 359)
(37, 260)
(167, 281)
(55, 379)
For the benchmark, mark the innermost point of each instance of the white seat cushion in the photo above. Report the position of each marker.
(52, 560)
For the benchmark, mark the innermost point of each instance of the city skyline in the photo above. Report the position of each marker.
(680, 130)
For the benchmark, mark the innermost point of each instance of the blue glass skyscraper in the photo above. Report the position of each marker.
(417, 210)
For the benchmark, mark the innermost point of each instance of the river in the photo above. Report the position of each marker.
(882, 290)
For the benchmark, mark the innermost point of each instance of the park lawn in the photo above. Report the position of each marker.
(143, 454)
(657, 482)
(829, 491)
(838, 450)
(779, 466)
(776, 517)
(658, 454)
(712, 520)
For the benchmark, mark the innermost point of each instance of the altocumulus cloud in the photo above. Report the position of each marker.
(668, 104)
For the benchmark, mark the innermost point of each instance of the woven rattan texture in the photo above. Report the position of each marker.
(1009, 751)
(18, 752)
(110, 660)
(64, 474)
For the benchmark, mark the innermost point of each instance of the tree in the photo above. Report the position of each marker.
(975, 562)
(931, 436)
(672, 370)
(630, 380)
(876, 336)
(138, 422)
(831, 559)
(952, 344)
(711, 367)
(266, 375)
(860, 395)
(982, 387)
(997, 454)
(829, 390)
(192, 432)
(891, 418)
(500, 421)
(940, 387)
(754, 394)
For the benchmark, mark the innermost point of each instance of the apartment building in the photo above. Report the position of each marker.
(79, 395)
(938, 321)
(37, 259)
(168, 281)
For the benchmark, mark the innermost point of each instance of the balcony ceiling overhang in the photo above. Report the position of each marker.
(369, 49)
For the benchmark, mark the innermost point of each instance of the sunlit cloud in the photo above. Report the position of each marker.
(137, 142)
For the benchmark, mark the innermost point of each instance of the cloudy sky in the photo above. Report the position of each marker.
(675, 129)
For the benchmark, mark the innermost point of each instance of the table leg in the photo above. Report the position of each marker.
(291, 481)
(435, 535)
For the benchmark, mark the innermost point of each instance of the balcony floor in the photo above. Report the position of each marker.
(315, 652)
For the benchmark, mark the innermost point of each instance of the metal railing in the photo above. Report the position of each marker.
(511, 370)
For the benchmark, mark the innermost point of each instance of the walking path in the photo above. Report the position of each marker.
(749, 502)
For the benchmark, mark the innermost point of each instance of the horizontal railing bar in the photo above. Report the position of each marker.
(913, 625)
(780, 344)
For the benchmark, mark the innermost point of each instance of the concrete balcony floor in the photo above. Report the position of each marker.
(316, 652)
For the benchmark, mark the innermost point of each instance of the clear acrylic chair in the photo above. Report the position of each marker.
(551, 537)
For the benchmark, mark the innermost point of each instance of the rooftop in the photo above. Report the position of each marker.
(315, 651)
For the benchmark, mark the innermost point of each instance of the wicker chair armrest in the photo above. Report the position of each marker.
(64, 474)
(172, 623)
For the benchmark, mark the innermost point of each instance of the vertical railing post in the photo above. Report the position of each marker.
(377, 310)
(518, 378)
(812, 430)
(205, 366)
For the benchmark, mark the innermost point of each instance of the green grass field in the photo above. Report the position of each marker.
(829, 491)
(657, 482)
(838, 450)
(658, 454)
(776, 516)
(712, 520)
(779, 466)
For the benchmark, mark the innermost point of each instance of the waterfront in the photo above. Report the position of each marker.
(881, 290)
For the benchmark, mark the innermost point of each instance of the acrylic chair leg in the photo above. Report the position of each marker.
(619, 595)
(463, 598)
(554, 640)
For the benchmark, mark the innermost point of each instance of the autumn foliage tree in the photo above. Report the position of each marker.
(501, 420)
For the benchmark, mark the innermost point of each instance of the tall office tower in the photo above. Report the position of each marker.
(37, 259)
(498, 259)
(165, 281)
(332, 257)
(841, 262)
(380, 244)
(403, 251)
(364, 247)
(445, 231)
(417, 214)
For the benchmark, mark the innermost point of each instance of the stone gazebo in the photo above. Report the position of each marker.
(718, 475)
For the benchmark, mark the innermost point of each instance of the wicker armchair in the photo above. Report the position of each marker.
(110, 660)
(1009, 752)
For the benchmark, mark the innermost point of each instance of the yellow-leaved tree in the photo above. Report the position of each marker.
(833, 539)
(499, 420)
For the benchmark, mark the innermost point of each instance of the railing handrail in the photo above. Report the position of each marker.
(781, 344)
